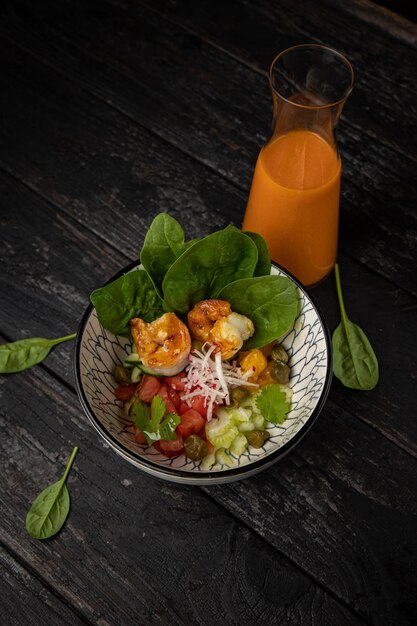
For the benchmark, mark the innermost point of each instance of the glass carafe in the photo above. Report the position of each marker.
(294, 198)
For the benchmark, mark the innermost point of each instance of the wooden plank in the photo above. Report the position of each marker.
(107, 171)
(384, 19)
(342, 515)
(136, 550)
(229, 105)
(26, 601)
(94, 163)
(351, 452)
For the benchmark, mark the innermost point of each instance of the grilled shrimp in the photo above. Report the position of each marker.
(202, 317)
(214, 321)
(229, 333)
(163, 346)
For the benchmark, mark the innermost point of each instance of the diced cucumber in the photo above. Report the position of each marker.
(128, 405)
(258, 421)
(224, 459)
(239, 445)
(147, 370)
(208, 461)
(240, 415)
(132, 358)
(136, 374)
(246, 427)
(221, 431)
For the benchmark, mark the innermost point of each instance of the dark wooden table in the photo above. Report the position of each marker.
(112, 111)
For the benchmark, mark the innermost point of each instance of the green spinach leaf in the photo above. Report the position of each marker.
(354, 361)
(269, 301)
(50, 509)
(263, 266)
(164, 243)
(207, 266)
(19, 355)
(152, 426)
(131, 295)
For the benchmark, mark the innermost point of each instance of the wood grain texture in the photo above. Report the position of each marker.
(386, 20)
(342, 457)
(113, 177)
(227, 104)
(85, 124)
(25, 601)
(107, 171)
(376, 131)
(136, 550)
(357, 509)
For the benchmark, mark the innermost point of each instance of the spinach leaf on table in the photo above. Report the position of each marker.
(20, 355)
(207, 266)
(50, 509)
(131, 295)
(354, 361)
(269, 301)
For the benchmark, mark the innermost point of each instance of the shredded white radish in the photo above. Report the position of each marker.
(212, 379)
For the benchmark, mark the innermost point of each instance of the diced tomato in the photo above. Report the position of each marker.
(175, 399)
(125, 392)
(177, 383)
(170, 448)
(202, 433)
(163, 393)
(198, 404)
(183, 408)
(149, 387)
(191, 422)
(139, 436)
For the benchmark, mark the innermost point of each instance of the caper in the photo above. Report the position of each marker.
(122, 375)
(280, 372)
(195, 448)
(238, 394)
(196, 344)
(257, 438)
(279, 354)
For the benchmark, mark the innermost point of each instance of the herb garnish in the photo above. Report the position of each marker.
(354, 361)
(50, 509)
(152, 426)
(273, 403)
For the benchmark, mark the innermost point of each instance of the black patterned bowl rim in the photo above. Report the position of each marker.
(210, 477)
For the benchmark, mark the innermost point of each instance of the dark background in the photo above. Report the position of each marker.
(111, 111)
(402, 7)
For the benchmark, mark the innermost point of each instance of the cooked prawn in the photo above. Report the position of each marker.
(203, 316)
(214, 321)
(229, 333)
(163, 346)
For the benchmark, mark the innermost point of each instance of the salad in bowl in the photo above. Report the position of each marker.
(203, 362)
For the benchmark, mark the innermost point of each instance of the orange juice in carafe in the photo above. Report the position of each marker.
(294, 203)
(294, 197)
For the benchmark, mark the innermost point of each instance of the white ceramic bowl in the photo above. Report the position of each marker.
(98, 351)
